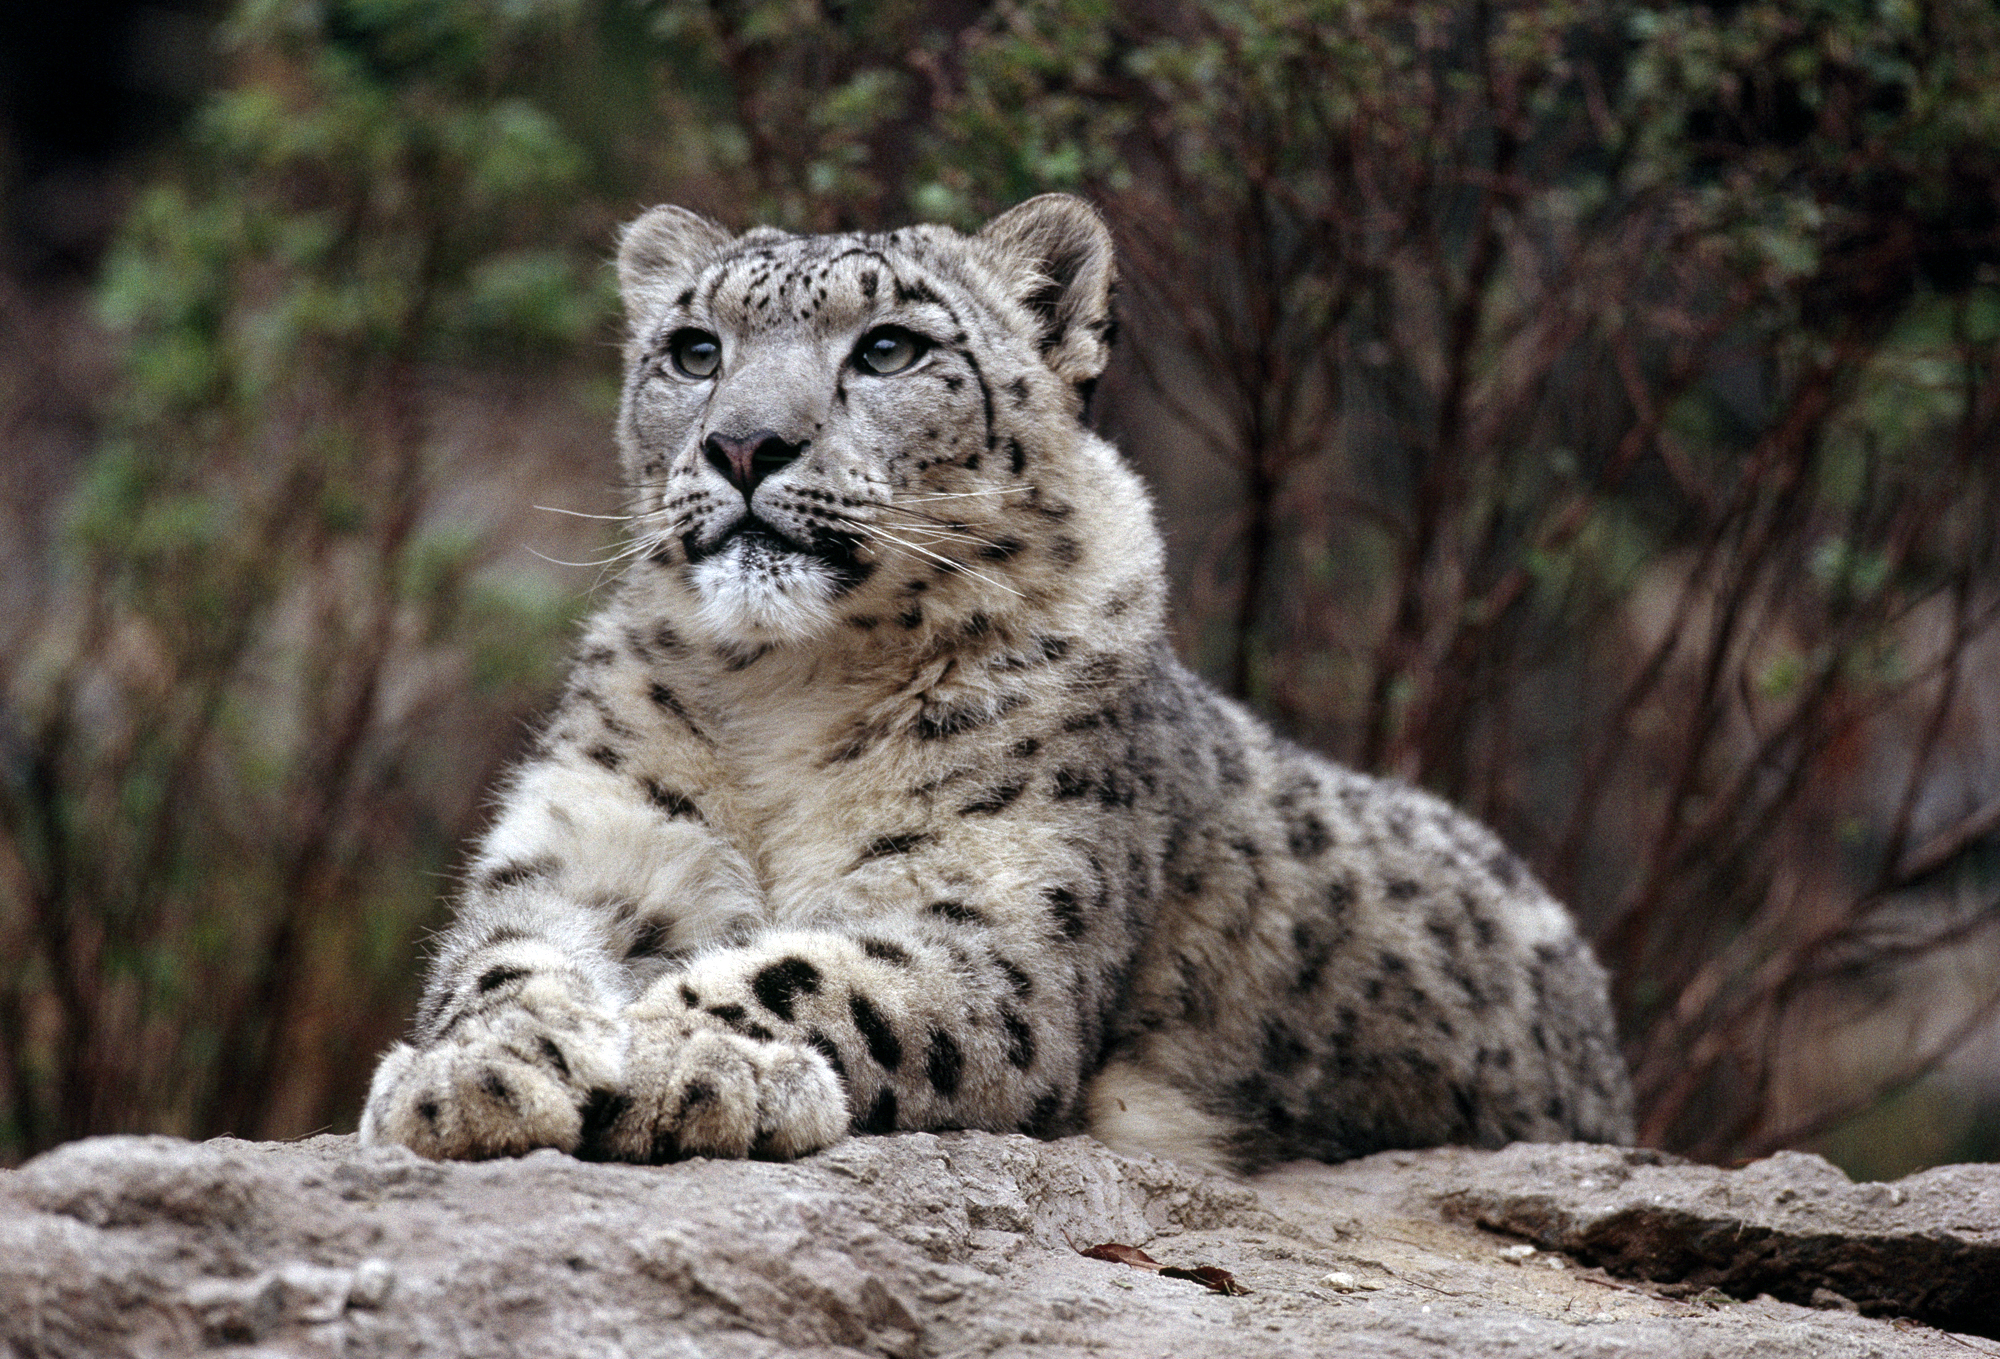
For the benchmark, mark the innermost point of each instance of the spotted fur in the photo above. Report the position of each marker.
(878, 801)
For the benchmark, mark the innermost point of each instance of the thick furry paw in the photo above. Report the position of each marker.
(696, 1091)
(500, 1084)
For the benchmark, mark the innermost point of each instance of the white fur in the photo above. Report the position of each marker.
(1134, 1113)
(748, 591)
(614, 847)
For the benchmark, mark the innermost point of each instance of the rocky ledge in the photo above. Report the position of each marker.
(970, 1244)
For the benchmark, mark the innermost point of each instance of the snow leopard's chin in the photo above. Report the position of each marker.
(757, 590)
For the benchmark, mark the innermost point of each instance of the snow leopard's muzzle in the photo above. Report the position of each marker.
(765, 537)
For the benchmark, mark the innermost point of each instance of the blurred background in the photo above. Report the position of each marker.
(1588, 410)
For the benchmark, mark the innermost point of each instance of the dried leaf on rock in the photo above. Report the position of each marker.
(1208, 1276)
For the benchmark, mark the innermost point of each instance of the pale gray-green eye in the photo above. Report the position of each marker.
(696, 353)
(889, 349)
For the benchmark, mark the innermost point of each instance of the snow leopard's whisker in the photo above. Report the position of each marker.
(632, 547)
(929, 531)
(954, 565)
(960, 495)
(643, 539)
(623, 554)
(927, 518)
(934, 534)
(916, 521)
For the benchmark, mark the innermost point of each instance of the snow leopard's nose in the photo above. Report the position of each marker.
(748, 460)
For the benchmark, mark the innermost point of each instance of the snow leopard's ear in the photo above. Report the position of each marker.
(1059, 263)
(661, 247)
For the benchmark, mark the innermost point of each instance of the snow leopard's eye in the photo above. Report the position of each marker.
(889, 349)
(696, 353)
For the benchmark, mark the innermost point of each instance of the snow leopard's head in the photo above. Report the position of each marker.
(860, 430)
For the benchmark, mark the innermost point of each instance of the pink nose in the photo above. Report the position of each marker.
(747, 461)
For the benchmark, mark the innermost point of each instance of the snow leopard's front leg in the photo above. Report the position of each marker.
(519, 1029)
(592, 880)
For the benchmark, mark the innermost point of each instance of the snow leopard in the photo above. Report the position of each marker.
(877, 799)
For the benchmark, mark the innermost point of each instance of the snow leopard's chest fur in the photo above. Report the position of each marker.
(878, 799)
(941, 574)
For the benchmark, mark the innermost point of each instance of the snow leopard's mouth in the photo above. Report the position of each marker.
(754, 536)
(763, 544)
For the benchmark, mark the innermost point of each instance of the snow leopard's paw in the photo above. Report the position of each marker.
(690, 1089)
(502, 1083)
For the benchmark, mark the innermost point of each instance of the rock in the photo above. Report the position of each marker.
(969, 1243)
(1792, 1226)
